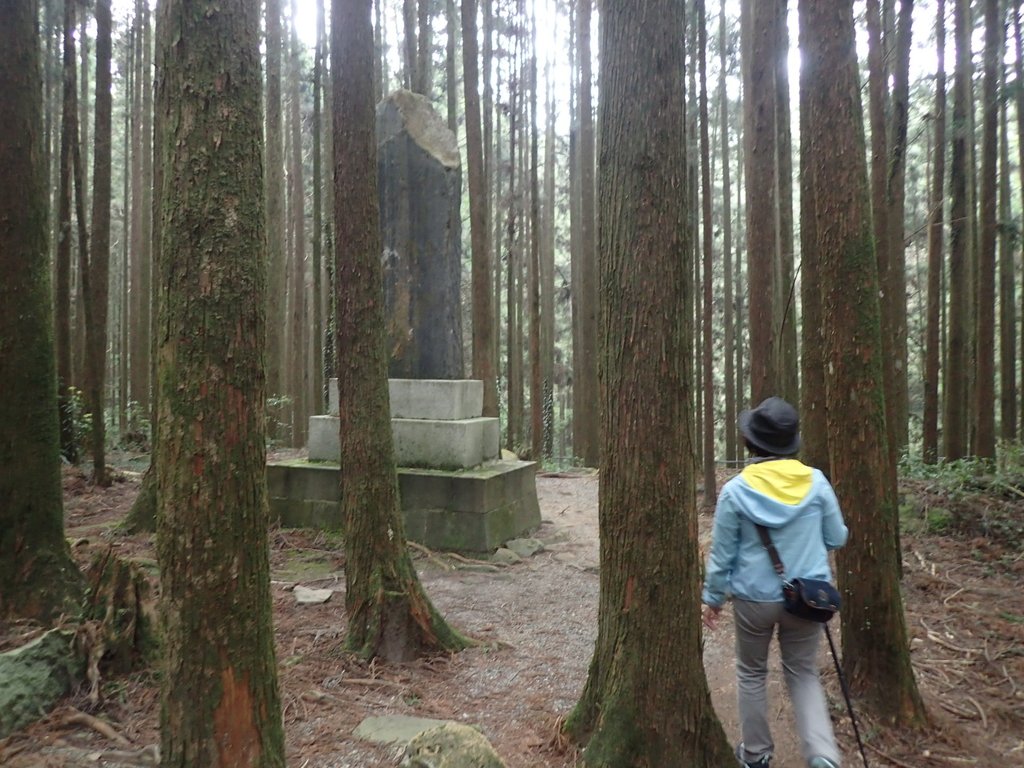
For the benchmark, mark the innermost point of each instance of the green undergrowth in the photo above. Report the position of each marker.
(968, 497)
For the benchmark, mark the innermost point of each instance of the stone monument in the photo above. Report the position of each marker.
(420, 190)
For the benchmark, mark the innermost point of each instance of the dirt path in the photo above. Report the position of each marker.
(537, 623)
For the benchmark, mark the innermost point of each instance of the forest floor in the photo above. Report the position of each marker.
(536, 622)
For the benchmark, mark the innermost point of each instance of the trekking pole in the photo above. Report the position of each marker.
(846, 695)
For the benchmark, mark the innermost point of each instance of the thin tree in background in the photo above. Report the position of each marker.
(96, 272)
(646, 700)
(389, 615)
(534, 272)
(274, 180)
(936, 219)
(219, 695)
(1019, 104)
(298, 322)
(1007, 287)
(585, 431)
(68, 137)
(707, 242)
(482, 296)
(874, 631)
(318, 389)
(727, 251)
(38, 579)
(958, 337)
(984, 432)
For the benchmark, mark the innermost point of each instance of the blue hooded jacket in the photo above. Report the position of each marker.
(797, 505)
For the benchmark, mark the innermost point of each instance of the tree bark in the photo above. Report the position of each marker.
(646, 700)
(874, 632)
(955, 390)
(219, 694)
(298, 322)
(484, 354)
(99, 263)
(930, 445)
(276, 264)
(707, 241)
(586, 438)
(729, 327)
(1007, 287)
(389, 615)
(38, 579)
(985, 302)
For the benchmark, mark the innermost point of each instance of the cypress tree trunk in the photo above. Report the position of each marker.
(760, 133)
(276, 269)
(38, 580)
(534, 272)
(707, 240)
(813, 411)
(985, 309)
(875, 643)
(389, 615)
(219, 696)
(298, 322)
(99, 264)
(1007, 288)
(930, 446)
(483, 303)
(586, 438)
(727, 252)
(954, 421)
(646, 701)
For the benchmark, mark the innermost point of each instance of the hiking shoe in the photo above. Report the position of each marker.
(821, 762)
(761, 762)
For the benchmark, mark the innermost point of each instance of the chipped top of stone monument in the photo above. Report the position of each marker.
(423, 125)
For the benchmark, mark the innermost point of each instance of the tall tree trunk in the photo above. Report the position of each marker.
(536, 378)
(276, 260)
(1019, 103)
(1007, 288)
(896, 195)
(875, 641)
(219, 695)
(646, 700)
(729, 327)
(424, 52)
(760, 135)
(954, 421)
(985, 311)
(318, 389)
(814, 441)
(707, 240)
(389, 615)
(513, 361)
(68, 135)
(547, 270)
(98, 268)
(586, 439)
(298, 360)
(410, 18)
(38, 579)
(786, 287)
(930, 446)
(483, 304)
(451, 80)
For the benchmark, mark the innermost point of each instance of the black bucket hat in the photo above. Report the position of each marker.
(772, 427)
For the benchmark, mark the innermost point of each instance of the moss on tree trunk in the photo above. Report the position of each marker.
(389, 615)
(37, 577)
(220, 703)
(646, 701)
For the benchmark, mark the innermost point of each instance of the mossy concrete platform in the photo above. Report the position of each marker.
(470, 510)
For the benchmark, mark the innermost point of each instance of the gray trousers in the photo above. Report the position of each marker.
(798, 642)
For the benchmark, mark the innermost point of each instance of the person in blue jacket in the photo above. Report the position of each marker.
(797, 505)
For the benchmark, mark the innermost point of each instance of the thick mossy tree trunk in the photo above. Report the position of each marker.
(37, 577)
(874, 627)
(389, 615)
(220, 703)
(646, 701)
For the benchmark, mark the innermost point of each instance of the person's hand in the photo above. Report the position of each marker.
(710, 616)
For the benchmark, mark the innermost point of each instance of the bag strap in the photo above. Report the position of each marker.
(773, 553)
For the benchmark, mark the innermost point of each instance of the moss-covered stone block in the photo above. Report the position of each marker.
(35, 676)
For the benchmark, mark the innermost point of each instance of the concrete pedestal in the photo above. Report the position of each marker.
(474, 510)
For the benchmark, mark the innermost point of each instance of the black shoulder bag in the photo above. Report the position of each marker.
(812, 599)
